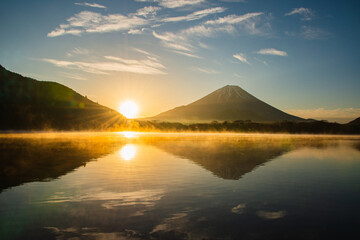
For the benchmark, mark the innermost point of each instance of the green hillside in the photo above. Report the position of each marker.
(28, 104)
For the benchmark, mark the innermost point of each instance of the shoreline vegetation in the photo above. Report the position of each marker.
(285, 127)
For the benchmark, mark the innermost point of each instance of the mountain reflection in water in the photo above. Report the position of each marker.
(178, 186)
(230, 158)
(42, 157)
(46, 157)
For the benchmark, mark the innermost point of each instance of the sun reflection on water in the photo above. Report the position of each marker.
(129, 134)
(128, 152)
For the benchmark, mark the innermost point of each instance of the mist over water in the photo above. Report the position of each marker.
(178, 186)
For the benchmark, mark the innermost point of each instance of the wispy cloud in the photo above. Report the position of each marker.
(272, 51)
(203, 45)
(305, 13)
(147, 11)
(116, 64)
(174, 41)
(241, 57)
(228, 24)
(206, 70)
(174, 3)
(78, 51)
(136, 31)
(206, 31)
(186, 39)
(92, 22)
(312, 33)
(144, 52)
(233, 19)
(195, 15)
(237, 75)
(73, 76)
(94, 5)
(187, 54)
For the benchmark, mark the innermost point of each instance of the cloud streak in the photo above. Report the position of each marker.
(150, 65)
(306, 13)
(272, 51)
(91, 22)
(78, 51)
(206, 70)
(181, 41)
(147, 11)
(233, 19)
(174, 3)
(195, 15)
(241, 57)
(94, 5)
(187, 54)
(173, 41)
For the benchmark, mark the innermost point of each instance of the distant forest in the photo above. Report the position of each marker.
(315, 127)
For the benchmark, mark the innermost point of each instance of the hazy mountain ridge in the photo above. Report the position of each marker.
(355, 121)
(229, 103)
(28, 104)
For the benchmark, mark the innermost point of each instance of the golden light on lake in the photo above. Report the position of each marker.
(129, 109)
(129, 134)
(128, 152)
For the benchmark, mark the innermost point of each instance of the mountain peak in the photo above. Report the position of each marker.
(226, 94)
(232, 92)
(228, 103)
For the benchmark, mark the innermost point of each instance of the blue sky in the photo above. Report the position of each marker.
(297, 55)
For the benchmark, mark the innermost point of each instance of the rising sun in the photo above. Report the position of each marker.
(129, 109)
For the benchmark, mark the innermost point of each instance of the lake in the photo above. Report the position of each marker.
(179, 186)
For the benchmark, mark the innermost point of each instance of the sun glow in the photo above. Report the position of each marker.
(128, 152)
(129, 134)
(129, 109)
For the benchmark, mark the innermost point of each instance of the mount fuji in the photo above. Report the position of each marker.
(229, 103)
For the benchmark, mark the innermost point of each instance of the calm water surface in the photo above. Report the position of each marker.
(179, 186)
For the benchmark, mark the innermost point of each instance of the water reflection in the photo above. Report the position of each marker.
(128, 152)
(129, 134)
(176, 189)
(43, 158)
(231, 158)
(111, 199)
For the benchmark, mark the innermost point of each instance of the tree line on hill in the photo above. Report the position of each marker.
(316, 127)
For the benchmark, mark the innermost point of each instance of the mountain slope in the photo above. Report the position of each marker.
(355, 121)
(229, 103)
(226, 158)
(28, 104)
